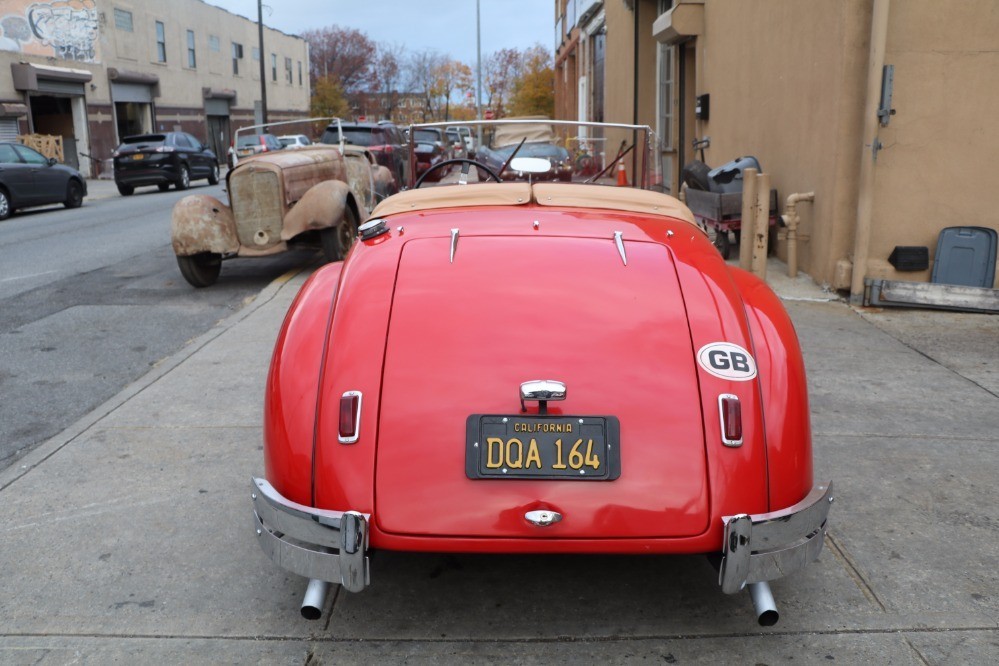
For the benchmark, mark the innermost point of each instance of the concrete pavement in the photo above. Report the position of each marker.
(127, 537)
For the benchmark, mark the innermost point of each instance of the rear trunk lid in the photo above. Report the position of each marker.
(463, 337)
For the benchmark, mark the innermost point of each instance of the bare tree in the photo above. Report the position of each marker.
(421, 72)
(388, 72)
(345, 54)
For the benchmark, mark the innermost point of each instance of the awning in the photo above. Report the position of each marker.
(12, 110)
(685, 21)
(45, 78)
(126, 76)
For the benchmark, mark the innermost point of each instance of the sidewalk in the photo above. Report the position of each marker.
(128, 536)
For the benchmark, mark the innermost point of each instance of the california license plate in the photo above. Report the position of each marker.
(578, 448)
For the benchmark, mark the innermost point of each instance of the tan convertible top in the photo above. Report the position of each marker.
(546, 194)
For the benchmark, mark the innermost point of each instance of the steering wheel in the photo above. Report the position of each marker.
(459, 160)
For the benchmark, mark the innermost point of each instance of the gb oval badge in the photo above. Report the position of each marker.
(727, 361)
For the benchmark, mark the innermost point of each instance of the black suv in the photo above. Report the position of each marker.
(162, 159)
(383, 140)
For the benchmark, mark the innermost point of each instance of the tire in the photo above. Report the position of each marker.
(185, 178)
(695, 175)
(723, 245)
(125, 190)
(74, 195)
(338, 240)
(5, 208)
(163, 187)
(200, 270)
(213, 176)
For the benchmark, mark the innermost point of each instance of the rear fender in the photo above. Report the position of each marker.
(293, 385)
(783, 390)
(201, 223)
(321, 207)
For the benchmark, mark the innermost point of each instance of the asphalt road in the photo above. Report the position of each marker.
(91, 298)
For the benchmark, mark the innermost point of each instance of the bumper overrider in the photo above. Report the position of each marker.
(765, 546)
(325, 545)
(332, 545)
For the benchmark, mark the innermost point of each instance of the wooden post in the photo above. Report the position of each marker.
(748, 218)
(762, 227)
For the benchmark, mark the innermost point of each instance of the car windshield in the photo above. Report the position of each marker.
(577, 152)
(248, 140)
(427, 135)
(144, 139)
(358, 136)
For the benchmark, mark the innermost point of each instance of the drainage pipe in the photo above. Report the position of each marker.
(869, 150)
(315, 599)
(763, 603)
(791, 221)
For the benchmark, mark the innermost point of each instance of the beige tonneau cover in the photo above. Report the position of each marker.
(546, 194)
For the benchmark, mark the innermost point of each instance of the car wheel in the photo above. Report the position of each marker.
(213, 176)
(185, 178)
(163, 187)
(5, 208)
(695, 175)
(125, 190)
(338, 240)
(200, 270)
(74, 195)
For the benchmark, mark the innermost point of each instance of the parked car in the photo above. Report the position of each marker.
(457, 143)
(294, 141)
(28, 178)
(537, 367)
(250, 144)
(278, 200)
(168, 158)
(431, 150)
(384, 140)
(466, 137)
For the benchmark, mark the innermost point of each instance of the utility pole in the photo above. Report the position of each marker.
(263, 68)
(478, 71)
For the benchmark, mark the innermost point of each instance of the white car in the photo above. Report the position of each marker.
(294, 141)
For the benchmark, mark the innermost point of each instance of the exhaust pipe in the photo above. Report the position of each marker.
(315, 599)
(763, 603)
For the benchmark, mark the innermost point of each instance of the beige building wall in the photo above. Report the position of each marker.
(788, 81)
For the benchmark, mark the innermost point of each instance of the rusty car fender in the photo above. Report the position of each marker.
(202, 223)
(321, 207)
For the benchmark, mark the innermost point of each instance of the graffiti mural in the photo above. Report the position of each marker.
(65, 29)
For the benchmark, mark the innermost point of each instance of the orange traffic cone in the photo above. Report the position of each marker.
(622, 175)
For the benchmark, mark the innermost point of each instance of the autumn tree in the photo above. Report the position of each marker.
(344, 54)
(328, 99)
(387, 75)
(450, 77)
(534, 88)
(422, 68)
(499, 71)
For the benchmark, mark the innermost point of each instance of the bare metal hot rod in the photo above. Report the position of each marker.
(539, 366)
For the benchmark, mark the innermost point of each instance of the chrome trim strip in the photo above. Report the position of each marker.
(357, 418)
(619, 241)
(542, 389)
(766, 546)
(733, 443)
(454, 243)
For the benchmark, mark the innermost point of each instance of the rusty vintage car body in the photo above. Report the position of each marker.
(312, 197)
(539, 367)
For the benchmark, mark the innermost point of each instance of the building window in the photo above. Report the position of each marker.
(255, 53)
(123, 20)
(192, 59)
(299, 72)
(274, 67)
(213, 44)
(287, 71)
(237, 55)
(160, 42)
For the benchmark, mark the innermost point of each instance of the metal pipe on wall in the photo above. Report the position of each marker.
(761, 226)
(791, 221)
(869, 152)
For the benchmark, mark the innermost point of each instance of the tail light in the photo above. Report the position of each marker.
(730, 412)
(350, 417)
(165, 149)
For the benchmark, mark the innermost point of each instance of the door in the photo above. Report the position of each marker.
(47, 184)
(15, 175)
(218, 135)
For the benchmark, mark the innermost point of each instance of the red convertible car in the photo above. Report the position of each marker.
(538, 367)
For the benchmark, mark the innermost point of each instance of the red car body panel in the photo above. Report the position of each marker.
(428, 342)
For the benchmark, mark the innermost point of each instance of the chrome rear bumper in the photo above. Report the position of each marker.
(766, 546)
(327, 545)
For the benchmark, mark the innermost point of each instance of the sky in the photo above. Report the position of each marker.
(447, 26)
